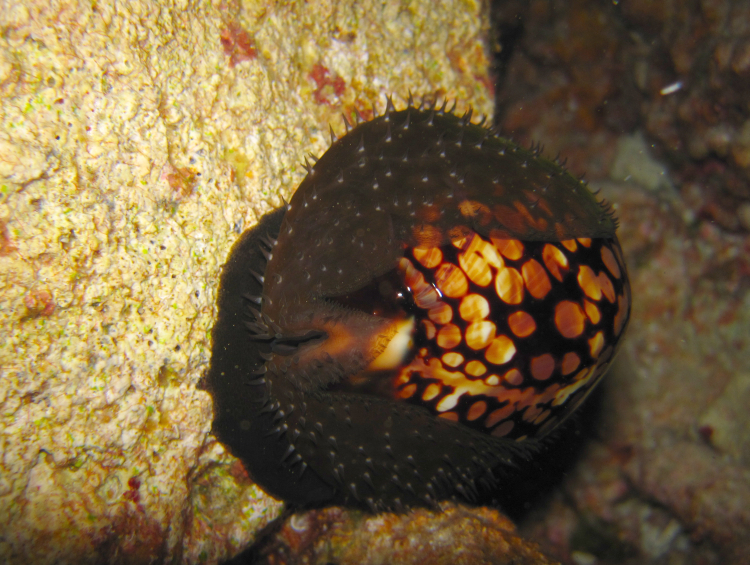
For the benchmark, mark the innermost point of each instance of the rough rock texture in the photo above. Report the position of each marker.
(456, 536)
(137, 140)
(679, 72)
(654, 94)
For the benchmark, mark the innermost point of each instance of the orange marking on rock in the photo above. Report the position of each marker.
(555, 261)
(452, 359)
(441, 314)
(595, 344)
(542, 367)
(585, 241)
(480, 334)
(449, 336)
(570, 245)
(476, 268)
(569, 319)
(474, 307)
(430, 257)
(570, 363)
(509, 285)
(501, 350)
(432, 390)
(475, 368)
(608, 258)
(521, 324)
(451, 281)
(476, 410)
(592, 312)
(536, 279)
(510, 248)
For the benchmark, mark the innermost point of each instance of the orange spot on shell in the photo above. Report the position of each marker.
(480, 334)
(521, 324)
(570, 363)
(476, 268)
(592, 312)
(449, 336)
(503, 429)
(542, 417)
(447, 403)
(542, 367)
(471, 208)
(411, 275)
(622, 313)
(429, 329)
(501, 350)
(476, 410)
(555, 261)
(594, 286)
(425, 296)
(474, 307)
(441, 314)
(569, 319)
(408, 391)
(427, 235)
(608, 258)
(513, 377)
(475, 244)
(498, 415)
(596, 344)
(509, 285)
(570, 245)
(475, 368)
(536, 279)
(429, 257)
(452, 359)
(432, 391)
(451, 281)
(510, 248)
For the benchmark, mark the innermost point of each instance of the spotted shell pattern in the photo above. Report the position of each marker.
(435, 298)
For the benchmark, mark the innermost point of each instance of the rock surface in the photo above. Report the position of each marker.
(137, 141)
(640, 96)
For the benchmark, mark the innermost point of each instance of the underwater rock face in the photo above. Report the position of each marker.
(435, 300)
(136, 142)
